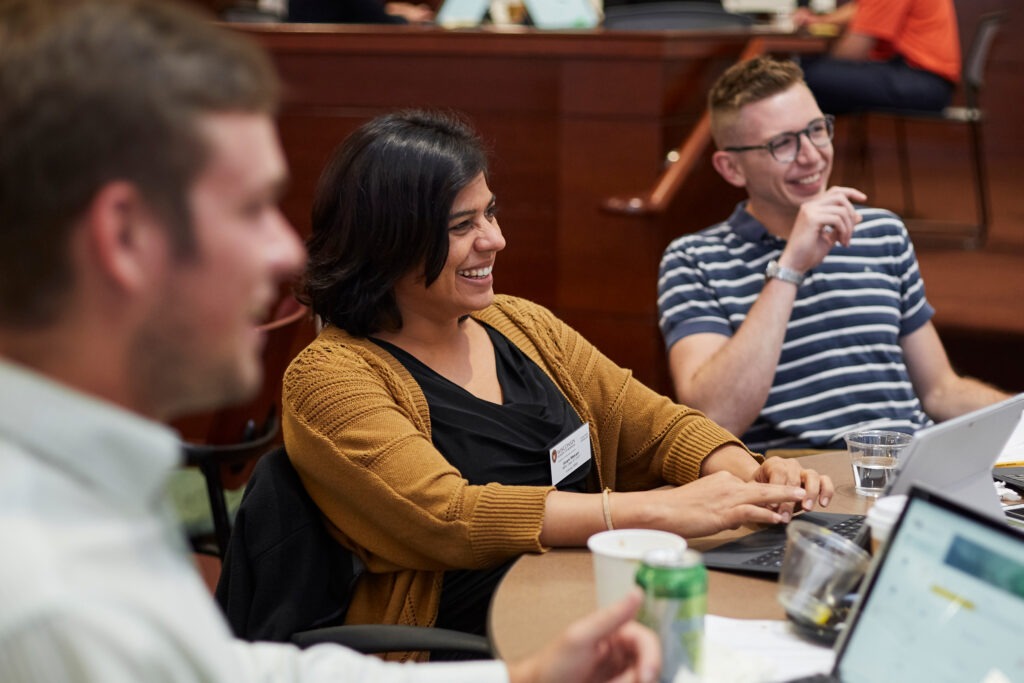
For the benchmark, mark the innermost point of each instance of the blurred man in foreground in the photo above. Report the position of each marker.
(140, 245)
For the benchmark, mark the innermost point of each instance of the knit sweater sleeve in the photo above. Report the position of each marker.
(358, 433)
(642, 439)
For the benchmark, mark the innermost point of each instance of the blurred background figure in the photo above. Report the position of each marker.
(358, 12)
(891, 54)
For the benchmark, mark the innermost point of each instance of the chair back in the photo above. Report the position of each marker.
(656, 16)
(222, 465)
(283, 573)
(977, 55)
(286, 579)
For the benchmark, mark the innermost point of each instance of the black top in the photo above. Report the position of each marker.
(508, 443)
(341, 12)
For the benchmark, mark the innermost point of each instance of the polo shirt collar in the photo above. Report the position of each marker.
(749, 228)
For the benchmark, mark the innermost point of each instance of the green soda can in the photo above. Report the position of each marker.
(675, 585)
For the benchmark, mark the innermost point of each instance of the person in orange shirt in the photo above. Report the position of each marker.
(893, 54)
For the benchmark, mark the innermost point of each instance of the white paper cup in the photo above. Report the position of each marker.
(617, 556)
(881, 518)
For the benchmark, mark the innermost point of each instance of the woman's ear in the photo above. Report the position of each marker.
(726, 165)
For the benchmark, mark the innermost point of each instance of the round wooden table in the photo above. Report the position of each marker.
(542, 594)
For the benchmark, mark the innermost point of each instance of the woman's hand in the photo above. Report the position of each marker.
(714, 502)
(734, 489)
(780, 471)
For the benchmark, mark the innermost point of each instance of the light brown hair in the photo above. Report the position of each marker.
(95, 91)
(745, 83)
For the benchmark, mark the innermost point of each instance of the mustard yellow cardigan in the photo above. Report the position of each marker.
(357, 428)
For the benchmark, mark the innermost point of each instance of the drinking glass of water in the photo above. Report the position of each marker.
(874, 454)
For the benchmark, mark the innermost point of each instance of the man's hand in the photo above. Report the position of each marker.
(413, 13)
(821, 223)
(803, 16)
(604, 647)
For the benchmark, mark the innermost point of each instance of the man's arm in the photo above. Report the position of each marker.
(853, 46)
(943, 393)
(728, 378)
(839, 17)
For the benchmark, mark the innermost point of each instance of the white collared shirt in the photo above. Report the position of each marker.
(96, 580)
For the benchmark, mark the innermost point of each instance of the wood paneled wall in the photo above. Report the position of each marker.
(575, 117)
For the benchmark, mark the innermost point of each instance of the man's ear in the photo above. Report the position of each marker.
(123, 237)
(725, 164)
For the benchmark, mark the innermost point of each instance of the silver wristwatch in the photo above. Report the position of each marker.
(774, 270)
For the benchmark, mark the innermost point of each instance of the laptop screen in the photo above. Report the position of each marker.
(945, 604)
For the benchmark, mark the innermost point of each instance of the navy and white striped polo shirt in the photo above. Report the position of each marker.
(842, 366)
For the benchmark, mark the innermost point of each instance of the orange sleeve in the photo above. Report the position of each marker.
(923, 32)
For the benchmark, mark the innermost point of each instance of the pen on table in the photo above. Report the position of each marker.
(1016, 463)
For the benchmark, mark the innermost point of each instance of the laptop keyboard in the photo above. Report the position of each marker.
(1014, 480)
(847, 528)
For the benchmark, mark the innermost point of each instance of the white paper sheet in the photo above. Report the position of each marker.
(1013, 451)
(757, 651)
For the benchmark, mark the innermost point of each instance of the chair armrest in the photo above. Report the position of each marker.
(376, 638)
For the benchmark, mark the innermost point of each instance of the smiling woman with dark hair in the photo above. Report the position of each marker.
(423, 418)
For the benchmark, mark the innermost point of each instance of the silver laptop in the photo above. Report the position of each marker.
(955, 457)
(462, 13)
(942, 603)
(562, 14)
(543, 14)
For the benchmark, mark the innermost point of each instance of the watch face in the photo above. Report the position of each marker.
(774, 270)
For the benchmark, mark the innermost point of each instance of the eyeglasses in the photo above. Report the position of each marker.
(785, 147)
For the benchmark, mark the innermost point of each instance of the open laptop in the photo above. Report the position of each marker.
(543, 14)
(462, 13)
(955, 457)
(1010, 466)
(942, 603)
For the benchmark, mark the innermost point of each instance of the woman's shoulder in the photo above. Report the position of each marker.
(335, 353)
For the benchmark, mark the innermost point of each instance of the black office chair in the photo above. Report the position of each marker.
(972, 235)
(655, 16)
(220, 464)
(284, 578)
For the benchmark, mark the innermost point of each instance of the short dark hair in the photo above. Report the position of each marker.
(94, 91)
(745, 83)
(381, 210)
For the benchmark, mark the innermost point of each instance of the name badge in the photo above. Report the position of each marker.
(570, 453)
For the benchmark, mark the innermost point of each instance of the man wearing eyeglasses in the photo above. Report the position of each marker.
(803, 315)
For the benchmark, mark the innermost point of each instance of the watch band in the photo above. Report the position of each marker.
(774, 270)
